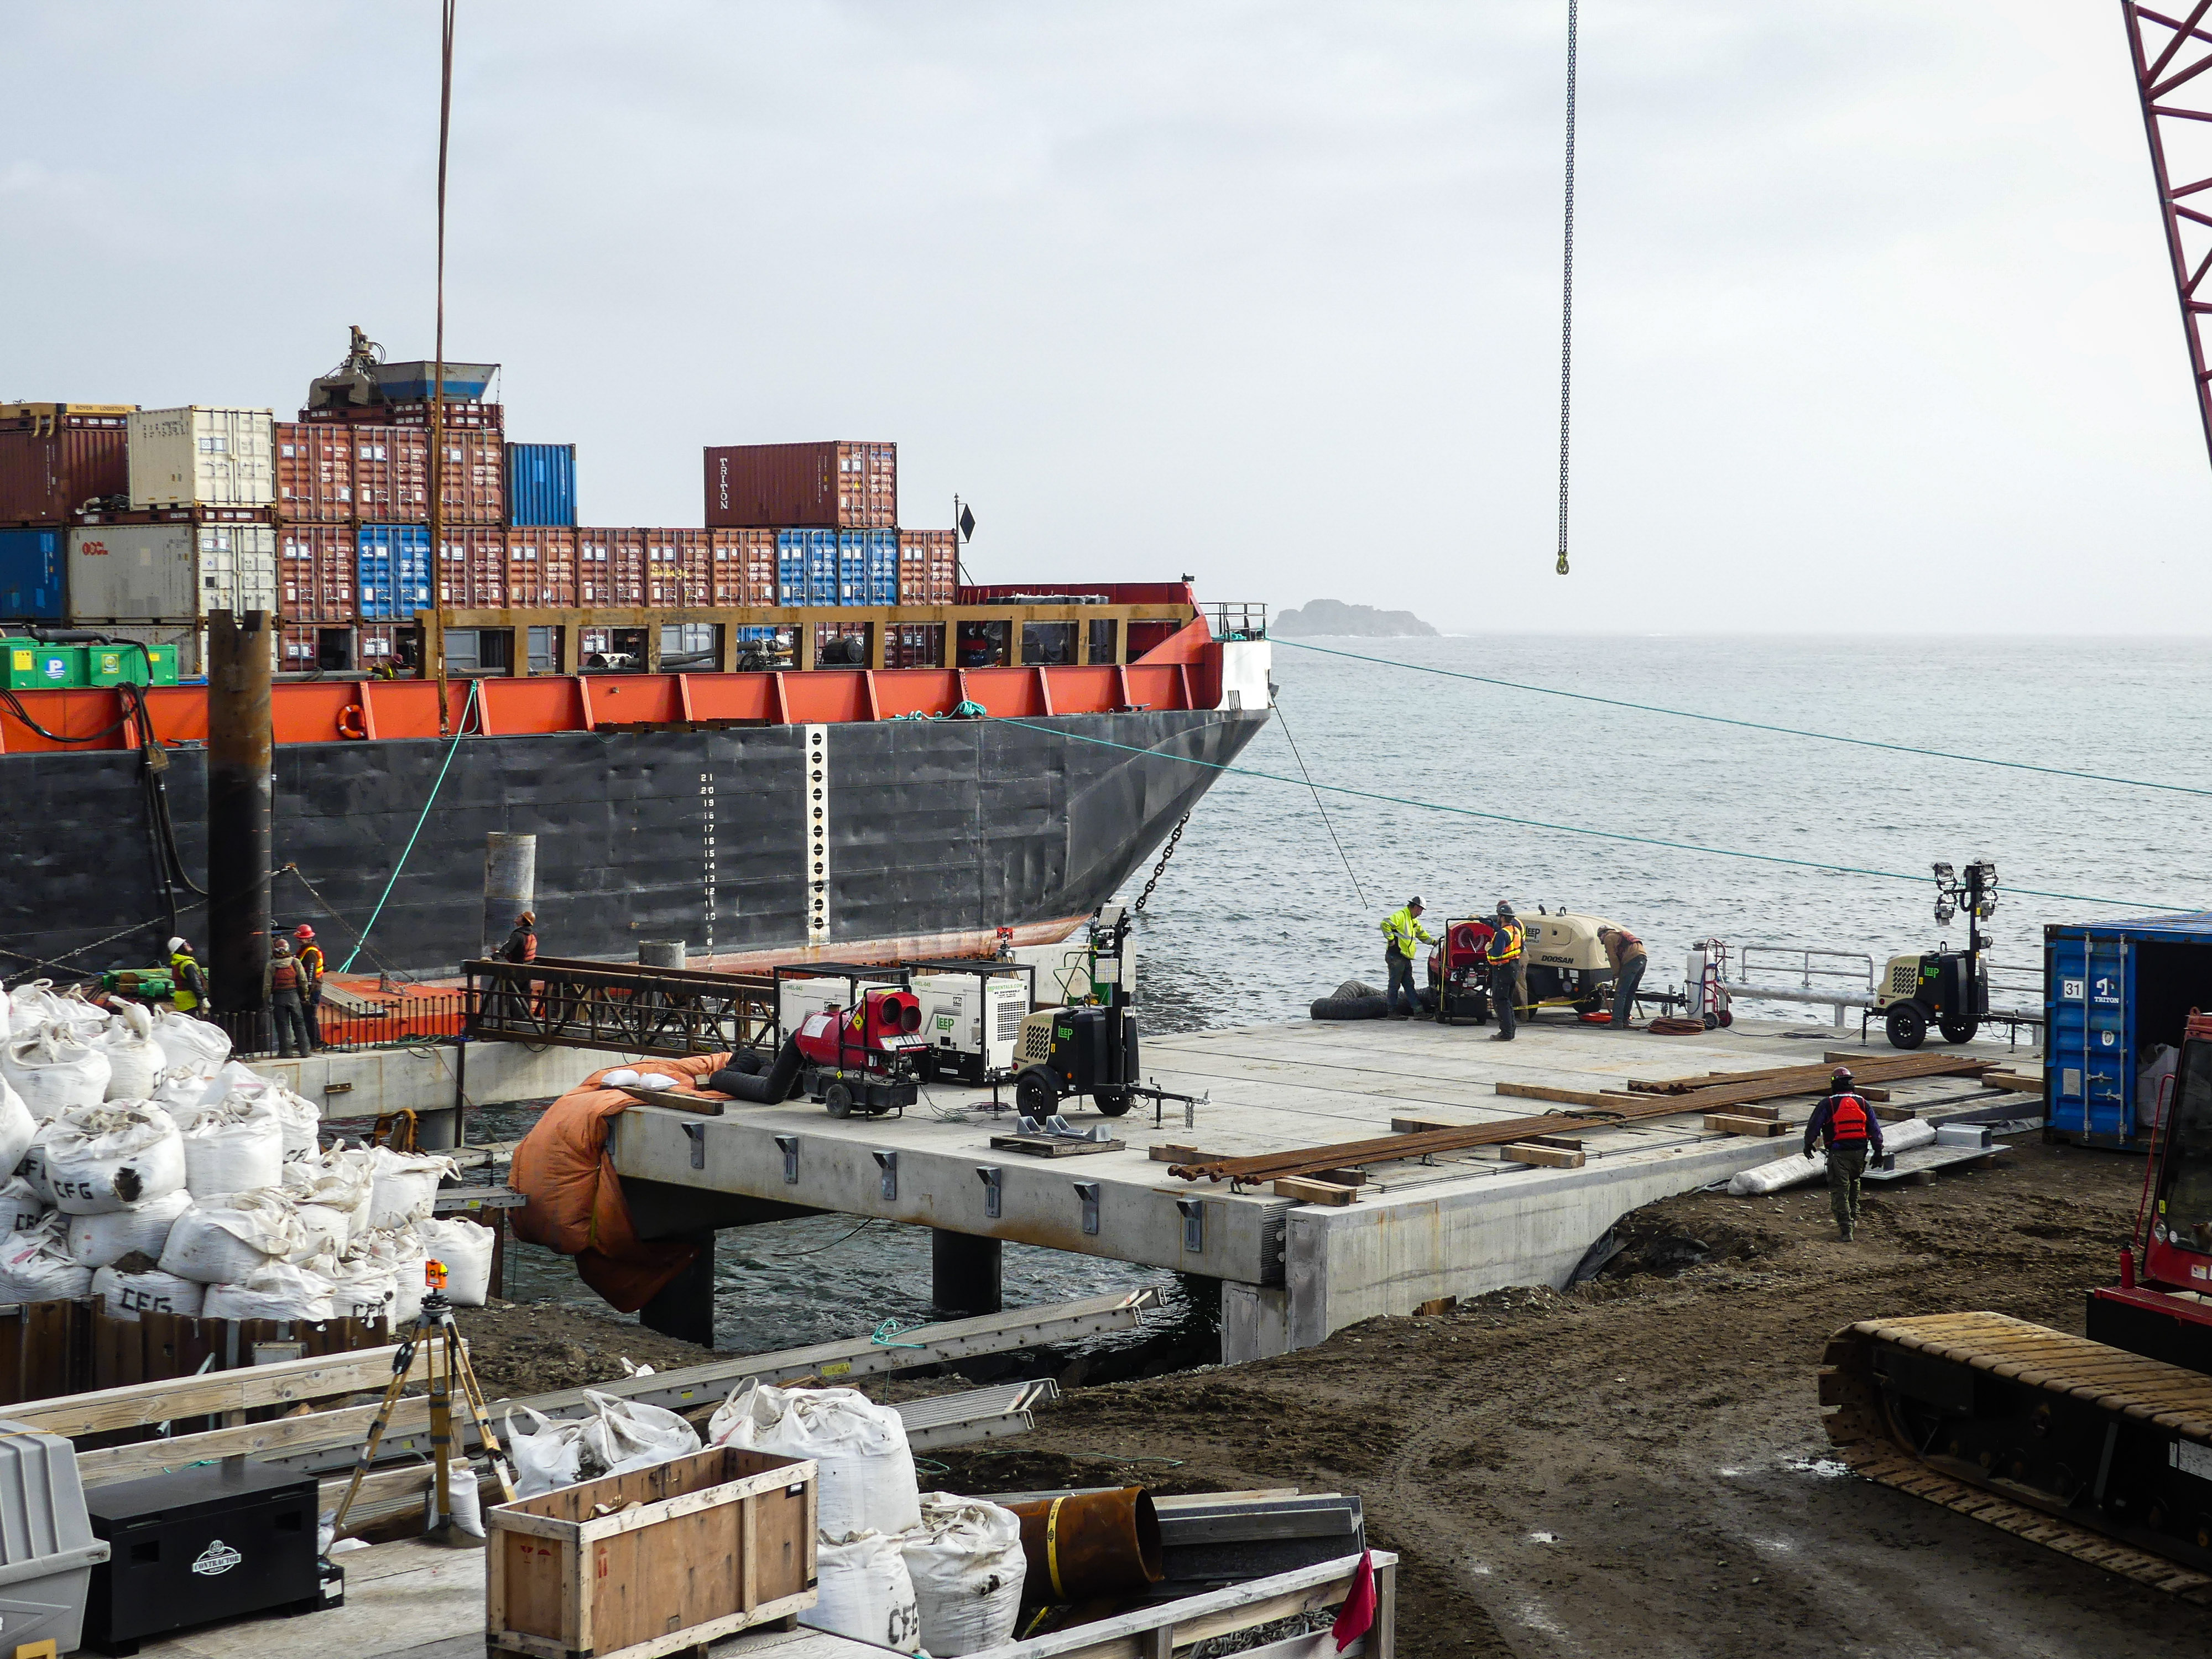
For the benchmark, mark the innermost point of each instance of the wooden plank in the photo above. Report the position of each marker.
(1171, 1154)
(1415, 1126)
(1315, 1192)
(1549, 1157)
(1053, 1145)
(1577, 1097)
(288, 1383)
(1760, 1127)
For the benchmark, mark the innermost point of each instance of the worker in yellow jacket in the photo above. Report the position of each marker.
(1402, 935)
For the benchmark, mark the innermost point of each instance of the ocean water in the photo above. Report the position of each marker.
(1258, 911)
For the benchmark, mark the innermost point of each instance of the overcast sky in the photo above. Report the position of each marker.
(1873, 329)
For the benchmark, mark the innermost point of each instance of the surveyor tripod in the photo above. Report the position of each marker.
(434, 1325)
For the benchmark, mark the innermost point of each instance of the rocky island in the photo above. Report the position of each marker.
(1357, 621)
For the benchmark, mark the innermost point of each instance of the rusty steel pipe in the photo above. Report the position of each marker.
(1090, 1543)
(241, 792)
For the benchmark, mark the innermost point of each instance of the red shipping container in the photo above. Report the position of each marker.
(611, 567)
(460, 417)
(678, 568)
(390, 475)
(375, 644)
(474, 481)
(316, 567)
(928, 567)
(541, 565)
(824, 486)
(46, 475)
(314, 473)
(744, 567)
(472, 568)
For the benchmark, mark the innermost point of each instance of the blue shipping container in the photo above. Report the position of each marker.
(541, 485)
(867, 567)
(2113, 994)
(394, 572)
(31, 566)
(807, 566)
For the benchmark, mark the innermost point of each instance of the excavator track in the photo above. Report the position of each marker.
(2088, 1449)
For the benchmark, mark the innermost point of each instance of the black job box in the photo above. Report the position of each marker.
(198, 1546)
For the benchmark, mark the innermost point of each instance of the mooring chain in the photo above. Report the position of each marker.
(1161, 866)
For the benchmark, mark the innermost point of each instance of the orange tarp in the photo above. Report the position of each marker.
(576, 1204)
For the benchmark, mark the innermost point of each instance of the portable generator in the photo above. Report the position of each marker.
(971, 1021)
(1459, 972)
(1945, 989)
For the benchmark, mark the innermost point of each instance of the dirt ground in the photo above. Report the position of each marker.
(1636, 1468)
(540, 1347)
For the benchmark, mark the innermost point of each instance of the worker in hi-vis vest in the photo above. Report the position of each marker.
(1846, 1126)
(1507, 939)
(188, 980)
(1402, 935)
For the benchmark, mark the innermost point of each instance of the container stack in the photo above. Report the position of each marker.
(833, 509)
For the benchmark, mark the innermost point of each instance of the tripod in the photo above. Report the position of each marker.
(433, 1322)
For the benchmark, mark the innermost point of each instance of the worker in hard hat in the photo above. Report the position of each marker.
(1507, 966)
(309, 955)
(1844, 1124)
(188, 980)
(1627, 953)
(287, 1015)
(1402, 938)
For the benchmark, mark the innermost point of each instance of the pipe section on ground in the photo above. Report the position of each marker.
(1090, 1543)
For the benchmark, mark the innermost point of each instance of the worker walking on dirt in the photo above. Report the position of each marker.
(1625, 952)
(1402, 935)
(286, 1013)
(309, 955)
(1846, 1126)
(1504, 953)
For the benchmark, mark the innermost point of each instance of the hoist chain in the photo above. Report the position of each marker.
(1162, 865)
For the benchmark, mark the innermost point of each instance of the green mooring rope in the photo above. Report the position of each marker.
(451, 749)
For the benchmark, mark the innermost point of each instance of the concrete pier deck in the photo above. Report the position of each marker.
(1458, 1224)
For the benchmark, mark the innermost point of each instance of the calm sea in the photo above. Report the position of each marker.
(1259, 912)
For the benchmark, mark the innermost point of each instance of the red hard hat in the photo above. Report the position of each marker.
(303, 932)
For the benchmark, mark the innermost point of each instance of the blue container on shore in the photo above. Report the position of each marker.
(394, 570)
(2115, 993)
(541, 485)
(31, 566)
(807, 566)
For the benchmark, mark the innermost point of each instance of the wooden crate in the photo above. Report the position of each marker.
(636, 1566)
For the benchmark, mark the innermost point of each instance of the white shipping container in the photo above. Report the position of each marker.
(199, 457)
(171, 573)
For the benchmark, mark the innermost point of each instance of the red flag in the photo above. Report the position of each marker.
(1357, 1617)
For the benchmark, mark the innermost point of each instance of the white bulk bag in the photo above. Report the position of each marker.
(128, 1290)
(98, 1241)
(404, 1254)
(36, 1267)
(623, 1077)
(406, 1186)
(465, 1249)
(864, 1592)
(107, 1157)
(37, 1003)
(53, 1070)
(17, 1125)
(135, 1060)
(282, 1289)
(1797, 1168)
(22, 1207)
(227, 1243)
(335, 1181)
(546, 1457)
(622, 1434)
(32, 1167)
(192, 1045)
(299, 1120)
(362, 1287)
(323, 1231)
(232, 1147)
(967, 1565)
(866, 1472)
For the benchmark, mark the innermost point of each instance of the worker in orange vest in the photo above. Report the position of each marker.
(1844, 1124)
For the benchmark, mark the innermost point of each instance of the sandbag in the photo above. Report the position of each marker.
(235, 1146)
(461, 1491)
(281, 1289)
(362, 1287)
(967, 1565)
(17, 1125)
(1797, 1168)
(864, 1592)
(192, 1045)
(866, 1472)
(135, 1060)
(135, 1286)
(227, 1243)
(35, 1266)
(406, 1186)
(546, 1457)
(1348, 1008)
(623, 1077)
(623, 1435)
(105, 1157)
(465, 1249)
(54, 1070)
(97, 1241)
(22, 1207)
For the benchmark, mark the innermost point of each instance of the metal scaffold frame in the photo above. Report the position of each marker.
(638, 1011)
(2157, 42)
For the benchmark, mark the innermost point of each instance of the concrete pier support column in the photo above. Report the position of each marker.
(964, 1274)
(241, 790)
(685, 1307)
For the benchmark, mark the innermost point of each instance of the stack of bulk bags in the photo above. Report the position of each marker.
(53, 1069)
(135, 1060)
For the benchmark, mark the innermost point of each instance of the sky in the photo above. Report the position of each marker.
(1874, 324)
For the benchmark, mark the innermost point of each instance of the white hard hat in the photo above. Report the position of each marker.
(1418, 899)
(176, 945)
